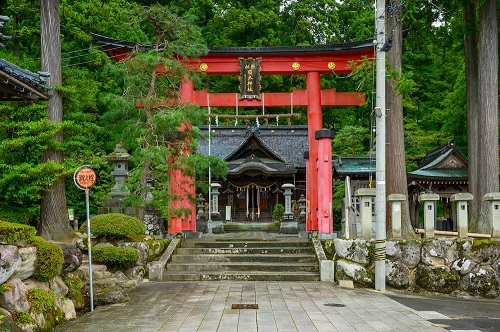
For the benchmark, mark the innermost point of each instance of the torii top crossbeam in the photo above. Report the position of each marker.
(278, 60)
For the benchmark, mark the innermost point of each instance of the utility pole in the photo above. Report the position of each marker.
(380, 199)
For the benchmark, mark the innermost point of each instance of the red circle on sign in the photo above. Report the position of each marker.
(85, 177)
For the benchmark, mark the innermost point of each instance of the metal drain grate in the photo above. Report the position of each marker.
(245, 306)
(334, 305)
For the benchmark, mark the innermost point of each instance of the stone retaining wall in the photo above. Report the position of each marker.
(460, 266)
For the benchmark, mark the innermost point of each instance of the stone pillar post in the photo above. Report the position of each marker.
(494, 199)
(366, 210)
(396, 200)
(288, 225)
(429, 201)
(325, 182)
(216, 219)
(462, 214)
(215, 200)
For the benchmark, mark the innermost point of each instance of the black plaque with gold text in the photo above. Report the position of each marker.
(250, 78)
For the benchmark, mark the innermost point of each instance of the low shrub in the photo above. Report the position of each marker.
(115, 225)
(49, 259)
(278, 212)
(16, 234)
(116, 257)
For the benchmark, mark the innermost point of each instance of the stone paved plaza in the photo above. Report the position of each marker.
(282, 306)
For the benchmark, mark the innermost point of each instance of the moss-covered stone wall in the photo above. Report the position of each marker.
(460, 266)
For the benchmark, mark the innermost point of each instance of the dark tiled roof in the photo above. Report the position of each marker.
(17, 83)
(364, 44)
(286, 143)
(433, 157)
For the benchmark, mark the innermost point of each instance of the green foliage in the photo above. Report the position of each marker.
(75, 286)
(15, 215)
(49, 260)
(41, 301)
(116, 257)
(16, 234)
(115, 226)
(21, 318)
(44, 302)
(329, 248)
(5, 287)
(278, 211)
(338, 196)
(351, 141)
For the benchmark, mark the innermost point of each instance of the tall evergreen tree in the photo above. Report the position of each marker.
(54, 223)
(395, 152)
(487, 144)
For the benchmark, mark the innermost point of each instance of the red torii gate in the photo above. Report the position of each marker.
(311, 61)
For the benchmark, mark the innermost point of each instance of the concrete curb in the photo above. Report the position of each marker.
(157, 268)
(326, 266)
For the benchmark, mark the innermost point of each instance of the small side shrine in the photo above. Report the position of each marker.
(443, 171)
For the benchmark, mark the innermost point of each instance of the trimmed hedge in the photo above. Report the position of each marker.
(15, 215)
(16, 234)
(49, 259)
(116, 257)
(115, 225)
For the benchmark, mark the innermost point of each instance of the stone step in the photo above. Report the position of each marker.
(272, 227)
(242, 266)
(287, 258)
(245, 244)
(241, 276)
(248, 251)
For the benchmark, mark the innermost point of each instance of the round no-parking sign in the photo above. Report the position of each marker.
(85, 177)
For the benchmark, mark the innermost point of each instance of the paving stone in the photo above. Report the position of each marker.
(283, 306)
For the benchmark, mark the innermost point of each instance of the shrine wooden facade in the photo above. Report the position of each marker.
(260, 161)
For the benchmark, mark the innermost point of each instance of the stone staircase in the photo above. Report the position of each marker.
(208, 260)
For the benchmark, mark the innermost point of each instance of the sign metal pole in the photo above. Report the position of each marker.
(84, 177)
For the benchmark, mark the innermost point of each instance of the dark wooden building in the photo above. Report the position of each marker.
(260, 160)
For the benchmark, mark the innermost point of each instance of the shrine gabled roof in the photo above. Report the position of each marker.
(286, 143)
(354, 165)
(17, 83)
(446, 161)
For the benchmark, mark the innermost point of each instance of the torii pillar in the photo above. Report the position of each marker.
(182, 186)
(314, 123)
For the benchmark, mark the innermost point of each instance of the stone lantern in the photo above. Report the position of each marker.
(201, 205)
(302, 207)
(120, 159)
